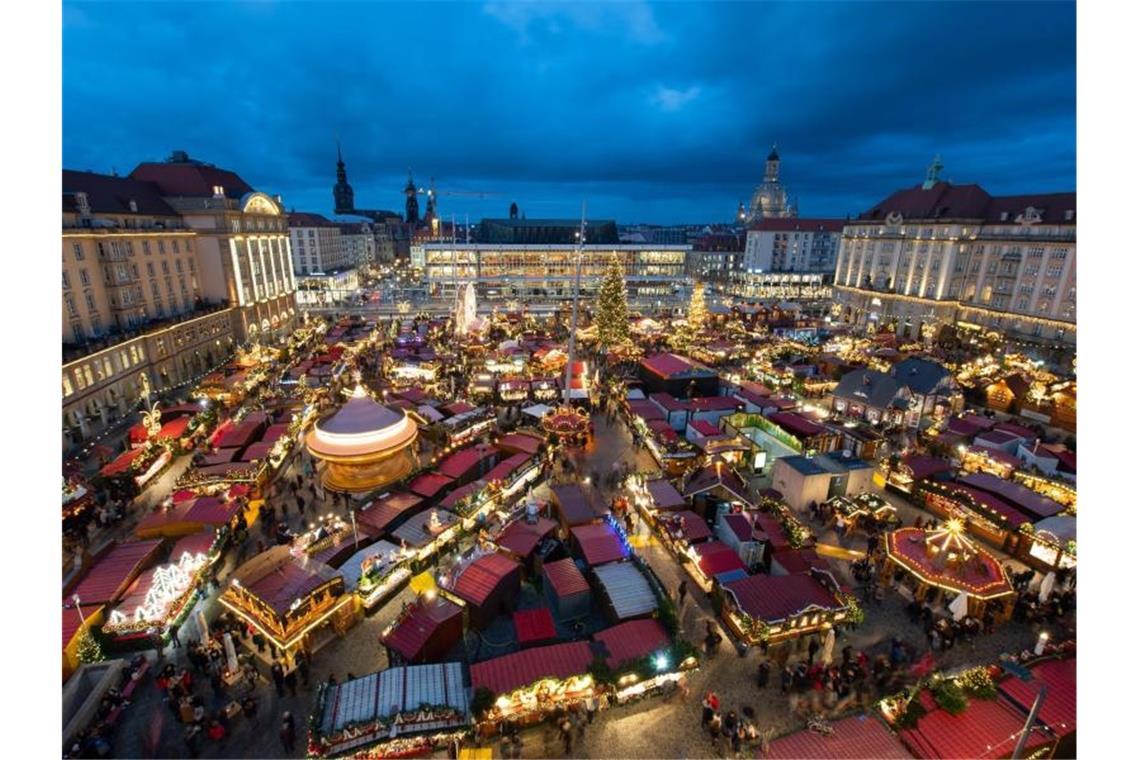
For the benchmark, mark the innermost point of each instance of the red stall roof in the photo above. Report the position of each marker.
(718, 557)
(256, 451)
(664, 495)
(507, 467)
(796, 424)
(176, 428)
(854, 738)
(273, 432)
(285, 584)
(520, 442)
(645, 409)
(478, 581)
(667, 365)
(773, 598)
(383, 512)
(599, 543)
(429, 484)
(422, 621)
(573, 504)
(463, 461)
(632, 640)
(121, 463)
(987, 728)
(534, 625)
(692, 526)
(1059, 710)
(503, 675)
(195, 543)
(109, 577)
(459, 494)
(565, 578)
(241, 435)
(210, 510)
(521, 537)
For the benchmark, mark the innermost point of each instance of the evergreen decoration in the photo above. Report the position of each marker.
(88, 649)
(612, 313)
(950, 696)
(698, 314)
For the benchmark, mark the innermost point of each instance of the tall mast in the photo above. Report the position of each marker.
(574, 313)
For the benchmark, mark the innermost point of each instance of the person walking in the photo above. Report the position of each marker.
(288, 731)
(302, 663)
(682, 591)
(813, 648)
(591, 708)
(565, 730)
(174, 642)
(762, 673)
(278, 677)
(190, 737)
(291, 682)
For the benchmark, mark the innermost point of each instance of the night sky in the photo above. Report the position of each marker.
(651, 113)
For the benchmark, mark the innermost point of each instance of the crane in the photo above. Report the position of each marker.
(431, 191)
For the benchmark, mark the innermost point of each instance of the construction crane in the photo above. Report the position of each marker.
(431, 191)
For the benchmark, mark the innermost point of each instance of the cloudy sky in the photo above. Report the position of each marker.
(648, 112)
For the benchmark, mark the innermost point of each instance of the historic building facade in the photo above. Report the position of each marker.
(242, 240)
(793, 244)
(942, 254)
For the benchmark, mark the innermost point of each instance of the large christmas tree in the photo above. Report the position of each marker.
(612, 313)
(698, 313)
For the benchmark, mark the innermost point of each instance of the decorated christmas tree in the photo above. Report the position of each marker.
(698, 313)
(612, 315)
(88, 649)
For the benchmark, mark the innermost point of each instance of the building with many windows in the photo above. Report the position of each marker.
(793, 245)
(317, 244)
(546, 272)
(942, 254)
(242, 240)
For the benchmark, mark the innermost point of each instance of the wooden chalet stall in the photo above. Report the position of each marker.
(777, 608)
(293, 604)
(566, 589)
(424, 632)
(489, 585)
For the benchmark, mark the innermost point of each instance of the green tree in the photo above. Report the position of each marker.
(612, 313)
(88, 649)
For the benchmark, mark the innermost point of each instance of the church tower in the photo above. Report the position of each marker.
(342, 191)
(772, 167)
(412, 204)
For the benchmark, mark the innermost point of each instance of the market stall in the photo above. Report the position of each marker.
(775, 608)
(489, 584)
(398, 712)
(532, 684)
(424, 632)
(626, 591)
(566, 589)
(428, 532)
(294, 604)
(190, 516)
(377, 572)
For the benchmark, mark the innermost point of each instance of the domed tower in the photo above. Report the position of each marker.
(412, 204)
(342, 191)
(770, 199)
(772, 166)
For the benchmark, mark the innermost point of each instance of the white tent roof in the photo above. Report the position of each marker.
(626, 588)
(538, 410)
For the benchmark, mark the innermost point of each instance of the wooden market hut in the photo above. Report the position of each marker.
(424, 633)
(598, 543)
(626, 591)
(521, 540)
(490, 585)
(189, 517)
(293, 604)
(573, 505)
(566, 589)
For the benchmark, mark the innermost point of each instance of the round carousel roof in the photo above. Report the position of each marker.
(944, 557)
(361, 427)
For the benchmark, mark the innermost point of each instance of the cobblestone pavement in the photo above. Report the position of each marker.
(652, 728)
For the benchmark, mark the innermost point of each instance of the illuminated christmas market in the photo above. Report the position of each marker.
(679, 434)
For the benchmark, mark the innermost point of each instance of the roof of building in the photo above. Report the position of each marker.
(946, 201)
(415, 531)
(853, 738)
(534, 625)
(429, 484)
(775, 598)
(922, 467)
(599, 543)
(667, 402)
(871, 387)
(740, 525)
(383, 512)
(802, 465)
(573, 504)
(478, 580)
(628, 642)
(704, 427)
(645, 409)
(664, 495)
(392, 691)
(798, 224)
(668, 365)
(463, 461)
(281, 583)
(716, 475)
(920, 375)
(714, 403)
(1059, 710)
(1051, 205)
(689, 525)
(987, 728)
(422, 621)
(109, 577)
(189, 178)
(565, 577)
(108, 194)
(799, 560)
(1025, 499)
(305, 219)
(502, 675)
(521, 537)
(627, 589)
(520, 442)
(717, 557)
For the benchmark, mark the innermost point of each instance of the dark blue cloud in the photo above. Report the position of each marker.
(650, 112)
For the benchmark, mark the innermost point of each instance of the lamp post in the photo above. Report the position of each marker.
(574, 311)
(78, 609)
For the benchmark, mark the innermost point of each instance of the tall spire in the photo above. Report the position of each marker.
(932, 172)
(343, 201)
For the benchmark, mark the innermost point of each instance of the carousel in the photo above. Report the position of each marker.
(568, 423)
(943, 565)
(364, 445)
